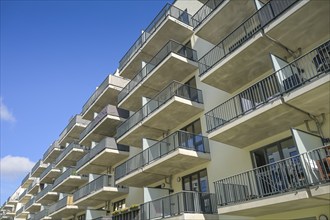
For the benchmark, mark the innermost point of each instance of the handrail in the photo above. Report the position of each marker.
(173, 89)
(168, 10)
(179, 139)
(205, 11)
(252, 25)
(301, 70)
(50, 148)
(170, 47)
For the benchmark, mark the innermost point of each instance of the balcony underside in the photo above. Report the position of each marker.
(173, 67)
(51, 157)
(23, 215)
(25, 198)
(303, 25)
(291, 201)
(71, 158)
(102, 161)
(65, 212)
(72, 135)
(313, 98)
(39, 170)
(191, 216)
(49, 198)
(51, 176)
(171, 164)
(253, 60)
(171, 29)
(101, 196)
(34, 208)
(229, 15)
(28, 182)
(170, 115)
(105, 128)
(70, 184)
(275, 115)
(11, 214)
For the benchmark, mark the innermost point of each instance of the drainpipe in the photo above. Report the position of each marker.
(314, 118)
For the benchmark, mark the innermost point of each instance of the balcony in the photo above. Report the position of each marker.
(105, 94)
(50, 174)
(41, 215)
(70, 155)
(63, 208)
(72, 131)
(178, 152)
(34, 187)
(52, 153)
(24, 197)
(170, 23)
(27, 180)
(104, 155)
(216, 18)
(21, 213)
(13, 200)
(97, 192)
(69, 181)
(303, 83)
(174, 105)
(218, 67)
(173, 62)
(286, 185)
(32, 206)
(38, 168)
(47, 196)
(103, 125)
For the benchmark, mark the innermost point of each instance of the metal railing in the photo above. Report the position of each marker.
(106, 143)
(40, 215)
(168, 10)
(270, 11)
(43, 192)
(107, 110)
(46, 171)
(179, 203)
(21, 210)
(33, 184)
(170, 47)
(301, 171)
(22, 195)
(51, 147)
(179, 139)
(30, 202)
(92, 187)
(205, 11)
(60, 204)
(300, 71)
(77, 119)
(173, 89)
(26, 178)
(66, 174)
(67, 150)
(113, 80)
(36, 166)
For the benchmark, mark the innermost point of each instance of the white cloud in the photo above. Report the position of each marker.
(13, 167)
(5, 114)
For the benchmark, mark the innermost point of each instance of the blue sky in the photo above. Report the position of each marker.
(53, 55)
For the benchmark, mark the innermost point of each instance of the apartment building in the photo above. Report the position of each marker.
(219, 110)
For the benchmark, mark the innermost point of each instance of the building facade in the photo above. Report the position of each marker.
(219, 110)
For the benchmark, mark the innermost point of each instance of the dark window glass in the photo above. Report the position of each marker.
(196, 182)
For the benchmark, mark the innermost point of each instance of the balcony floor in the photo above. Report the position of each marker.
(102, 161)
(172, 163)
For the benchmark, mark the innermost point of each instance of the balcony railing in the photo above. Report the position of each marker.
(179, 139)
(168, 10)
(270, 11)
(41, 214)
(179, 203)
(107, 110)
(22, 195)
(77, 119)
(205, 11)
(111, 79)
(59, 205)
(35, 167)
(47, 170)
(43, 192)
(51, 147)
(292, 76)
(67, 173)
(21, 210)
(33, 184)
(173, 89)
(30, 202)
(170, 47)
(106, 143)
(93, 186)
(307, 169)
(26, 178)
(67, 150)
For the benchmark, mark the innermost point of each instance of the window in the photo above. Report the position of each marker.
(118, 205)
(191, 141)
(81, 217)
(196, 182)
